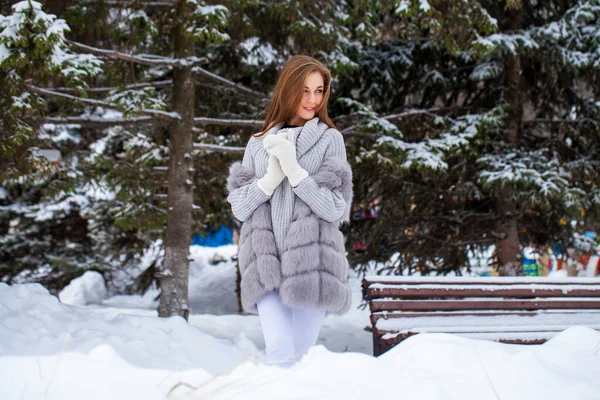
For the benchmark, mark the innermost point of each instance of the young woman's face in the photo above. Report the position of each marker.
(311, 99)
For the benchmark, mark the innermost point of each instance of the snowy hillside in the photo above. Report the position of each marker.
(120, 349)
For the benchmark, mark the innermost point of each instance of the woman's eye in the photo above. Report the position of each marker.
(319, 91)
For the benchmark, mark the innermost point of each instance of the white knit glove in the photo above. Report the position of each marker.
(272, 178)
(285, 151)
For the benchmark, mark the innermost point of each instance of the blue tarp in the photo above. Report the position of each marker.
(214, 237)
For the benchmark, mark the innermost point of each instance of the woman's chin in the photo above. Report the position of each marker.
(308, 116)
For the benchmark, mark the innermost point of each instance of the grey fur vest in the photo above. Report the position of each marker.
(312, 271)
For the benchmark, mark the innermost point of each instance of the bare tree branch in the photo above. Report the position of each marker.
(351, 131)
(163, 115)
(99, 122)
(126, 3)
(558, 121)
(218, 147)
(214, 77)
(151, 59)
(412, 112)
(100, 90)
(228, 122)
(145, 59)
(429, 111)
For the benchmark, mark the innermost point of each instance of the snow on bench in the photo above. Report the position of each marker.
(525, 310)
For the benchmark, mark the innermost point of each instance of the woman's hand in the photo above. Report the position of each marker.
(272, 178)
(285, 151)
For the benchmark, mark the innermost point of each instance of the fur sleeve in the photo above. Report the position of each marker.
(334, 177)
(239, 176)
(244, 194)
(335, 174)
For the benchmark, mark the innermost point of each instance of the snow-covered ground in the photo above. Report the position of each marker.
(118, 348)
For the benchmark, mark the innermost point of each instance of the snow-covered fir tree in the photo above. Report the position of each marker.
(117, 138)
(494, 137)
(473, 123)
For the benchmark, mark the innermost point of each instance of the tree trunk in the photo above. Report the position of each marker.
(174, 273)
(507, 241)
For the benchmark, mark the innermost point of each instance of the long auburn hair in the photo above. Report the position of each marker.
(289, 90)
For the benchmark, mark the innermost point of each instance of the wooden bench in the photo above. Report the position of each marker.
(521, 310)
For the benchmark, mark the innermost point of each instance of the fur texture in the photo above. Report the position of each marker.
(336, 174)
(313, 269)
(239, 176)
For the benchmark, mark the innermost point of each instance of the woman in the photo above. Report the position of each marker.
(292, 191)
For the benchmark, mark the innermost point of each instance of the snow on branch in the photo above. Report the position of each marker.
(127, 3)
(218, 148)
(31, 37)
(99, 122)
(157, 84)
(145, 59)
(409, 113)
(430, 153)
(537, 177)
(207, 22)
(370, 120)
(508, 43)
(228, 122)
(131, 101)
(92, 121)
(573, 39)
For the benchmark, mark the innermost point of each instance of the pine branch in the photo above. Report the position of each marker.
(100, 90)
(163, 115)
(144, 59)
(227, 122)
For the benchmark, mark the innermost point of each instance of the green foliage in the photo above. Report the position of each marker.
(206, 22)
(419, 92)
(454, 25)
(131, 102)
(32, 44)
(438, 184)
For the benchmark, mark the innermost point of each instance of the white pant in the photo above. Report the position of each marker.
(288, 332)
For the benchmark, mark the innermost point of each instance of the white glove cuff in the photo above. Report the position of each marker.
(263, 185)
(297, 175)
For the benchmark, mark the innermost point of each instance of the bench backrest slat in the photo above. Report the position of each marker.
(375, 316)
(518, 280)
(404, 291)
(504, 304)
